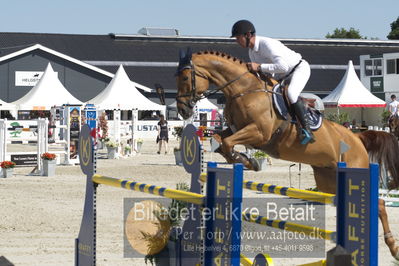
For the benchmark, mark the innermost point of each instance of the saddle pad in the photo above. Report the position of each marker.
(279, 103)
(314, 116)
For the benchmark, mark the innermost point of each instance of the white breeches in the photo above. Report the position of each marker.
(298, 81)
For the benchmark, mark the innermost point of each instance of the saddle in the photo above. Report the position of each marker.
(283, 107)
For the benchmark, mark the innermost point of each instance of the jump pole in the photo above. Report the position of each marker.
(357, 210)
(220, 190)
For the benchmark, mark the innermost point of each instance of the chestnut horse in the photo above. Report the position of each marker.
(393, 124)
(253, 122)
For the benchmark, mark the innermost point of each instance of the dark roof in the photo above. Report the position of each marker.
(137, 51)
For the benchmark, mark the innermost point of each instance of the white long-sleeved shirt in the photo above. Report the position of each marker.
(393, 107)
(274, 57)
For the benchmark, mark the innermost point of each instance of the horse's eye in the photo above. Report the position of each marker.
(185, 78)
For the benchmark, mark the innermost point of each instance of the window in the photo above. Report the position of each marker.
(393, 66)
(377, 67)
(368, 67)
(373, 67)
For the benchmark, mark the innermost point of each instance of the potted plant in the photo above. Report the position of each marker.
(263, 158)
(102, 131)
(128, 150)
(177, 153)
(139, 143)
(177, 132)
(49, 163)
(112, 149)
(7, 168)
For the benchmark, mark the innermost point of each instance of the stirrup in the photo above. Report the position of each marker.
(307, 137)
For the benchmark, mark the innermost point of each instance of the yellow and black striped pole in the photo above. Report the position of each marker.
(325, 198)
(289, 226)
(150, 189)
(321, 197)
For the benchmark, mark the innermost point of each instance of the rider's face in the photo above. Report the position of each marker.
(241, 40)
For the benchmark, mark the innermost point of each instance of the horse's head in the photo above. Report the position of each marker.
(189, 90)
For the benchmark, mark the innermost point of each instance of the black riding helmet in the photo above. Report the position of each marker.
(241, 27)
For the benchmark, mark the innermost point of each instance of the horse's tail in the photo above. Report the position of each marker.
(383, 148)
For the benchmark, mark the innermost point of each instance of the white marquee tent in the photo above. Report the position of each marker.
(350, 92)
(353, 97)
(121, 93)
(6, 106)
(48, 92)
(202, 105)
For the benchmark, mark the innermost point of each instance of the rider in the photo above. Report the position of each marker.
(393, 106)
(271, 56)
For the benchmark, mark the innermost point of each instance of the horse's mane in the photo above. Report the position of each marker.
(222, 55)
(269, 80)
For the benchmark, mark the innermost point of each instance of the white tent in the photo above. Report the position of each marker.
(121, 93)
(350, 92)
(352, 97)
(6, 106)
(202, 105)
(206, 105)
(48, 92)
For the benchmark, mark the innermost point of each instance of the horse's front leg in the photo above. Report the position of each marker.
(219, 139)
(388, 237)
(249, 135)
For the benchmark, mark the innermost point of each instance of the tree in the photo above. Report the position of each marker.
(345, 34)
(394, 34)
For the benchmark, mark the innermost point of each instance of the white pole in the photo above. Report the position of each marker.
(133, 129)
(3, 139)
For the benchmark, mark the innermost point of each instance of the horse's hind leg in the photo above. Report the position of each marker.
(325, 178)
(388, 237)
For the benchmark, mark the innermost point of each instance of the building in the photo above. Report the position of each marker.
(380, 74)
(86, 63)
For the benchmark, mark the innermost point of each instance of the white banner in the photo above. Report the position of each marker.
(28, 78)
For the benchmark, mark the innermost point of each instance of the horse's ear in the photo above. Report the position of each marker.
(182, 55)
(184, 59)
(189, 54)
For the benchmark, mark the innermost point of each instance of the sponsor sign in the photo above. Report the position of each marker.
(24, 159)
(27, 78)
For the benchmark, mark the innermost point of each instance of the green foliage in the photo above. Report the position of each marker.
(345, 34)
(177, 131)
(340, 119)
(175, 216)
(260, 154)
(384, 117)
(112, 144)
(394, 34)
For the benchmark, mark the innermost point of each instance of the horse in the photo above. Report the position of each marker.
(393, 123)
(254, 122)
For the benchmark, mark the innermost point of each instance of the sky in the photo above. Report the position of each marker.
(277, 19)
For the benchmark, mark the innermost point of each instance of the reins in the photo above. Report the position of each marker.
(193, 93)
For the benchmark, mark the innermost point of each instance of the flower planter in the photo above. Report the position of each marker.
(139, 144)
(178, 157)
(49, 167)
(7, 172)
(100, 145)
(112, 152)
(262, 163)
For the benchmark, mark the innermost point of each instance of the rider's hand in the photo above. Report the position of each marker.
(253, 67)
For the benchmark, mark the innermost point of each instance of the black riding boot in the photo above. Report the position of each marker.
(300, 111)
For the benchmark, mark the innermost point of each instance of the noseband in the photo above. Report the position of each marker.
(194, 97)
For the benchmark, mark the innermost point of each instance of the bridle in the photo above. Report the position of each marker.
(194, 97)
